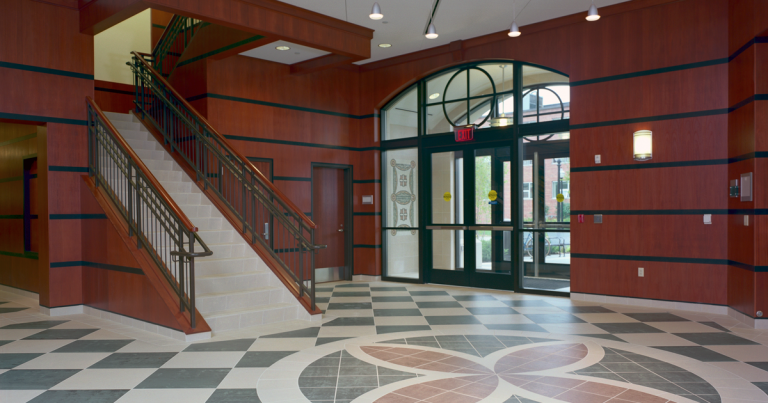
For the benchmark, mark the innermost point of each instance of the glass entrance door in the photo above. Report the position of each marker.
(471, 230)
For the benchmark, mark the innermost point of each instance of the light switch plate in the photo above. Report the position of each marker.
(598, 218)
(597, 159)
(746, 221)
(640, 272)
(367, 199)
(746, 187)
(707, 218)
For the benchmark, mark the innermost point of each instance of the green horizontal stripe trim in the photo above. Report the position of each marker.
(103, 266)
(712, 112)
(291, 178)
(662, 70)
(18, 139)
(48, 119)
(298, 143)
(58, 168)
(283, 106)
(131, 93)
(14, 179)
(77, 216)
(368, 246)
(25, 255)
(44, 70)
(365, 213)
(217, 51)
(11, 217)
(158, 26)
(367, 181)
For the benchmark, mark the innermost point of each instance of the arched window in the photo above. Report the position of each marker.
(483, 94)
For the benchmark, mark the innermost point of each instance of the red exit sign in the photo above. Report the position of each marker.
(465, 133)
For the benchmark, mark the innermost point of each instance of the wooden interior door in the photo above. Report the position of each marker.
(328, 212)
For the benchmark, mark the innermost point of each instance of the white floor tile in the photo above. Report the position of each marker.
(106, 379)
(218, 359)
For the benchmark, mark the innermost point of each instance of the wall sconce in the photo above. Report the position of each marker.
(643, 145)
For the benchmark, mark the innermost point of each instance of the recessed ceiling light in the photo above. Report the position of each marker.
(385, 45)
(283, 48)
(434, 96)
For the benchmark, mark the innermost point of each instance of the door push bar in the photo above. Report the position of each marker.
(471, 228)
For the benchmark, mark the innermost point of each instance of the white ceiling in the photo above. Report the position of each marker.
(295, 54)
(405, 20)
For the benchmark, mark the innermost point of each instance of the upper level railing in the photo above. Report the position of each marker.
(160, 227)
(177, 35)
(263, 212)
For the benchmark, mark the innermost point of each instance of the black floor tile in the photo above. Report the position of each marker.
(715, 339)
(45, 324)
(452, 320)
(354, 285)
(714, 325)
(394, 341)
(4, 342)
(234, 396)
(603, 336)
(697, 353)
(134, 360)
(93, 346)
(427, 293)
(553, 318)
(325, 340)
(656, 317)
(324, 289)
(354, 381)
(392, 299)
(620, 367)
(403, 328)
(79, 396)
(349, 305)
(13, 360)
(12, 310)
(60, 334)
(362, 321)
(525, 327)
(622, 328)
(319, 394)
(534, 303)
(386, 380)
(762, 385)
(34, 379)
(438, 304)
(761, 365)
(389, 289)
(350, 294)
(308, 332)
(492, 311)
(184, 378)
(262, 359)
(322, 300)
(474, 298)
(396, 312)
(585, 309)
(229, 345)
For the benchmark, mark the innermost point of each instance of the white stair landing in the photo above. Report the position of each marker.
(234, 288)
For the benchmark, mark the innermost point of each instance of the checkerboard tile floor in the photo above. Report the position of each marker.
(391, 342)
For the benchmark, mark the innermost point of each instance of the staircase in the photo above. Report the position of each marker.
(234, 287)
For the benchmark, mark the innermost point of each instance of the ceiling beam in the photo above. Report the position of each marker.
(217, 42)
(320, 63)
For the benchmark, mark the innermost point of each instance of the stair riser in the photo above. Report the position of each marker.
(213, 237)
(241, 321)
(221, 303)
(216, 285)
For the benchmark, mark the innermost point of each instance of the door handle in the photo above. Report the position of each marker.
(266, 231)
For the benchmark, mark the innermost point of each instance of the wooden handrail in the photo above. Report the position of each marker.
(165, 32)
(224, 141)
(143, 168)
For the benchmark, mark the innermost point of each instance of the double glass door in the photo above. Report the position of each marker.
(473, 214)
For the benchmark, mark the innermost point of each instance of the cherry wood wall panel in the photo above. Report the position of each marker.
(160, 20)
(114, 97)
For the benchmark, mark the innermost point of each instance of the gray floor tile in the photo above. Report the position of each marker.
(642, 378)
(681, 376)
(603, 336)
(352, 321)
(438, 304)
(351, 294)
(229, 345)
(325, 340)
(324, 289)
(13, 360)
(389, 289)
(349, 305)
(396, 312)
(394, 341)
(45, 324)
(322, 300)
(386, 380)
(12, 310)
(526, 327)
(404, 328)
(262, 359)
(308, 332)
(663, 386)
(585, 309)
(79, 396)
(656, 317)
(698, 353)
(318, 381)
(715, 339)
(626, 328)
(762, 385)
(319, 394)
(4, 342)
(324, 372)
(427, 293)
(493, 311)
(452, 320)
(234, 396)
(60, 334)
(184, 378)
(474, 298)
(392, 299)
(553, 318)
(619, 367)
(34, 379)
(134, 360)
(353, 285)
(93, 346)
(536, 303)
(715, 325)
(352, 393)
(761, 365)
(354, 381)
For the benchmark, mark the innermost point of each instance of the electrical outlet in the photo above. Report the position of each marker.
(597, 159)
(640, 272)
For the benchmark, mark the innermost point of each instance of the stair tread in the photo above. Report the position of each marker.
(248, 310)
(240, 292)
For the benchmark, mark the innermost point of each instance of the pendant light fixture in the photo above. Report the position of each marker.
(502, 120)
(514, 31)
(431, 31)
(592, 15)
(376, 12)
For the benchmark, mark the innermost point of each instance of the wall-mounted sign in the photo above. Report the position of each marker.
(464, 133)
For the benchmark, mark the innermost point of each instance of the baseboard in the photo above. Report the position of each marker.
(18, 291)
(761, 324)
(365, 277)
(652, 303)
(62, 310)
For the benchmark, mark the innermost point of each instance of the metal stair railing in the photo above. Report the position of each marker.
(160, 227)
(176, 36)
(265, 215)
